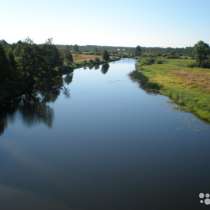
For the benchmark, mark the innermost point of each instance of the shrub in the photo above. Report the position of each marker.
(147, 61)
(159, 61)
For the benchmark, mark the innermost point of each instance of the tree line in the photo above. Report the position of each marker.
(26, 64)
(27, 61)
(31, 75)
(200, 53)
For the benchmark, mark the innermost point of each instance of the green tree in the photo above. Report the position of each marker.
(96, 51)
(28, 40)
(68, 57)
(106, 56)
(51, 55)
(28, 60)
(76, 48)
(35, 62)
(138, 51)
(4, 65)
(202, 53)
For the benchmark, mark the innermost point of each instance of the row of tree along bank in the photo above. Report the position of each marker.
(200, 53)
(36, 70)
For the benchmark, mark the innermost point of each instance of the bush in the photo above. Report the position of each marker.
(173, 56)
(147, 61)
(97, 60)
(205, 64)
(159, 61)
(192, 65)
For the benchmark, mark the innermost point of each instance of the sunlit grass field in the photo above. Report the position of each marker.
(78, 58)
(187, 86)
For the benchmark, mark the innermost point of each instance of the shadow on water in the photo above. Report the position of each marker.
(144, 83)
(105, 68)
(33, 103)
(119, 156)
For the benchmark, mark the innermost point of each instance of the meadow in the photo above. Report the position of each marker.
(81, 57)
(187, 86)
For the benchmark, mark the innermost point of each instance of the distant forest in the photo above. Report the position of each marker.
(130, 51)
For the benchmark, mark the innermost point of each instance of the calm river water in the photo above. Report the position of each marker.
(106, 144)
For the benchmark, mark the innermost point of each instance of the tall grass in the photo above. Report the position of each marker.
(188, 87)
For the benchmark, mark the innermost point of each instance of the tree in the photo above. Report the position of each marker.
(96, 50)
(68, 58)
(138, 51)
(4, 65)
(28, 40)
(49, 41)
(28, 60)
(51, 55)
(11, 59)
(106, 56)
(202, 53)
(97, 60)
(76, 48)
(35, 62)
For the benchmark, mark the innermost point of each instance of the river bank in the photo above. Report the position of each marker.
(11, 92)
(186, 86)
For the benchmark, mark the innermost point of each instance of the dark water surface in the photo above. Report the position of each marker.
(110, 145)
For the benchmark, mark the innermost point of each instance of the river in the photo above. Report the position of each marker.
(104, 143)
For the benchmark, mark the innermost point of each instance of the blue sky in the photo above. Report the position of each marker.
(164, 23)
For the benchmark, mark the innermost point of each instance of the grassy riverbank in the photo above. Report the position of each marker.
(187, 86)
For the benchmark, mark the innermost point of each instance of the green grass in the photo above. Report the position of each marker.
(79, 58)
(189, 87)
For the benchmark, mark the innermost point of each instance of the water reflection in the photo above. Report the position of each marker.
(119, 156)
(68, 78)
(6, 115)
(35, 112)
(33, 103)
(144, 83)
(32, 111)
(97, 66)
(105, 68)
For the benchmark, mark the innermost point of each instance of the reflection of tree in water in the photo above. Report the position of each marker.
(3, 124)
(33, 104)
(105, 68)
(6, 115)
(144, 83)
(68, 78)
(31, 109)
(35, 112)
(97, 66)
